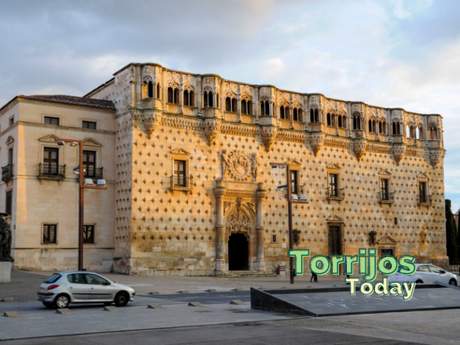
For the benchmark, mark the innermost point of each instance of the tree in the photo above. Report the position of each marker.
(451, 234)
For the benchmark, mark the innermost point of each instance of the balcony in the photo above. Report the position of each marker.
(337, 194)
(93, 173)
(386, 197)
(51, 171)
(424, 200)
(7, 172)
(181, 184)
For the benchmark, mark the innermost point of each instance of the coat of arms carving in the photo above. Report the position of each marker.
(239, 166)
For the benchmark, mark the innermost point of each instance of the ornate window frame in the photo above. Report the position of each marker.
(423, 178)
(388, 198)
(181, 155)
(334, 169)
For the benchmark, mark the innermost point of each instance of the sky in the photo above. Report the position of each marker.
(390, 53)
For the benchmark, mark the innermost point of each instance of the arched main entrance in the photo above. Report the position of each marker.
(238, 252)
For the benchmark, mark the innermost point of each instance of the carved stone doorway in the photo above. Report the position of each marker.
(238, 252)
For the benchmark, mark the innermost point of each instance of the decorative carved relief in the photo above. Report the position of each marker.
(436, 155)
(240, 166)
(316, 141)
(359, 148)
(212, 129)
(269, 135)
(240, 219)
(398, 152)
(152, 121)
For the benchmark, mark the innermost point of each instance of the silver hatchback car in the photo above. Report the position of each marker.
(82, 287)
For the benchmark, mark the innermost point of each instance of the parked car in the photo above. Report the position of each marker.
(82, 287)
(425, 274)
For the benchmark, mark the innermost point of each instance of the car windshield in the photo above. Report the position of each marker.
(54, 278)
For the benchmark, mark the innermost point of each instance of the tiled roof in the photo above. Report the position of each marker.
(73, 100)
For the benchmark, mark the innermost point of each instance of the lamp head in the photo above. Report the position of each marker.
(60, 143)
(73, 144)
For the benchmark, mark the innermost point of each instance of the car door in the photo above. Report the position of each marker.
(438, 274)
(77, 287)
(99, 288)
(424, 274)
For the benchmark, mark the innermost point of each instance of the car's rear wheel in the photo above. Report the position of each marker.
(49, 305)
(452, 282)
(62, 301)
(121, 299)
(419, 281)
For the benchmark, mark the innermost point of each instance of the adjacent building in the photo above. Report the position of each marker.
(192, 188)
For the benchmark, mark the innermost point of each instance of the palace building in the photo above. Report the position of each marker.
(192, 188)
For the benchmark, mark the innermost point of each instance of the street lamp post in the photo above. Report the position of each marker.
(81, 194)
(290, 202)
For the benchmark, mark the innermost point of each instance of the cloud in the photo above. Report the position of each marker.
(387, 53)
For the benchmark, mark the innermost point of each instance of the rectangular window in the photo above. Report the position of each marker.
(294, 182)
(51, 121)
(89, 124)
(384, 189)
(89, 162)
(88, 234)
(422, 192)
(11, 121)
(10, 156)
(9, 202)
(50, 161)
(333, 185)
(335, 240)
(49, 233)
(180, 173)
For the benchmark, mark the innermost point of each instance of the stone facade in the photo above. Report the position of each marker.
(373, 176)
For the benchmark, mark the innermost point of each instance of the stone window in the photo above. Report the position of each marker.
(334, 192)
(422, 192)
(424, 199)
(356, 121)
(88, 234)
(181, 180)
(283, 112)
(333, 185)
(297, 114)
(189, 97)
(330, 119)
(294, 182)
(314, 117)
(54, 121)
(433, 133)
(180, 173)
(372, 127)
(11, 121)
(246, 107)
(158, 90)
(396, 127)
(147, 89)
(382, 127)
(50, 161)
(49, 234)
(173, 95)
(230, 104)
(385, 189)
(89, 162)
(89, 125)
(265, 108)
(208, 99)
(9, 202)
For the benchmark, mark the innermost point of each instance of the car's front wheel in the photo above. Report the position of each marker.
(452, 282)
(62, 301)
(121, 299)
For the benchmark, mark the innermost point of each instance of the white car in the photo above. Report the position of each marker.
(82, 287)
(425, 274)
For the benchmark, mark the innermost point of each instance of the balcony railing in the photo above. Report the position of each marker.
(181, 183)
(385, 197)
(51, 171)
(94, 173)
(7, 172)
(334, 193)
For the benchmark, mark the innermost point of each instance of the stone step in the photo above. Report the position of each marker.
(232, 274)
